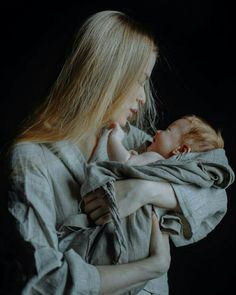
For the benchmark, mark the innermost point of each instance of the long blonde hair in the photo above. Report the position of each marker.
(109, 54)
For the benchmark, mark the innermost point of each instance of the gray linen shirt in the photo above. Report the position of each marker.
(45, 193)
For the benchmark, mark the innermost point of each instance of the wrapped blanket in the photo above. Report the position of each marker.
(191, 168)
(127, 239)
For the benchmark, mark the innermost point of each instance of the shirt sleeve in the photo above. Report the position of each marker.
(31, 203)
(202, 210)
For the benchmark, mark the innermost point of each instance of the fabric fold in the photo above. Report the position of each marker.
(204, 169)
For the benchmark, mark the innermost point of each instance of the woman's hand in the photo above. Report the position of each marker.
(159, 247)
(121, 278)
(128, 195)
(131, 194)
(96, 206)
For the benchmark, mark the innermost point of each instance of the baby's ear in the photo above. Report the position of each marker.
(184, 148)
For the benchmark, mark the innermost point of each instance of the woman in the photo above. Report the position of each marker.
(104, 80)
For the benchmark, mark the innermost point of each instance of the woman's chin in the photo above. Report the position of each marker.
(123, 122)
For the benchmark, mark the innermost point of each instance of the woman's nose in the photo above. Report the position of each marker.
(141, 99)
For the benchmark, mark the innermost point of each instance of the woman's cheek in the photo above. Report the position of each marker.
(123, 121)
(123, 117)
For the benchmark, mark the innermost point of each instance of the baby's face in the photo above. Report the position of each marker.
(165, 141)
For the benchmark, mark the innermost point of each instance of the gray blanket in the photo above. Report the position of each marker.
(116, 242)
(191, 168)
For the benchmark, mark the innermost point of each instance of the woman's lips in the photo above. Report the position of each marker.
(133, 112)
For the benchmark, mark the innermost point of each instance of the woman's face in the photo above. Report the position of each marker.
(131, 104)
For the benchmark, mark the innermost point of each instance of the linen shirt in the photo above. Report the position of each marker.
(45, 191)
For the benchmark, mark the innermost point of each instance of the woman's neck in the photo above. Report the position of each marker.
(88, 145)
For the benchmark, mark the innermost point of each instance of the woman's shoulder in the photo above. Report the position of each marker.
(22, 153)
(24, 161)
(25, 149)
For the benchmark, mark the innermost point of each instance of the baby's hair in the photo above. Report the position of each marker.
(202, 136)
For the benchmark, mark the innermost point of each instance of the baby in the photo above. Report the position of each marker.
(189, 133)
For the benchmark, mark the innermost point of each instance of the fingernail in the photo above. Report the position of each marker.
(112, 125)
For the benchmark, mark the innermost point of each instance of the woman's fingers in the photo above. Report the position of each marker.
(90, 197)
(154, 236)
(98, 212)
(104, 219)
(97, 194)
(159, 243)
(95, 205)
(159, 246)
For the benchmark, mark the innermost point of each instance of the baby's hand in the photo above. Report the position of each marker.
(116, 132)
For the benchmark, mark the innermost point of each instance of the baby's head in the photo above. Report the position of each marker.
(189, 133)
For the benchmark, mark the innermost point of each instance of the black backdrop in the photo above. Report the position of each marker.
(195, 75)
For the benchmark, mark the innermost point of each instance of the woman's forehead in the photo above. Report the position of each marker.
(150, 64)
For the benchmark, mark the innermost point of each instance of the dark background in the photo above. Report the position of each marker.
(196, 74)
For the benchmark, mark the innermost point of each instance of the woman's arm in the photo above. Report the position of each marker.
(117, 279)
(131, 194)
(144, 158)
(32, 206)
